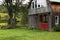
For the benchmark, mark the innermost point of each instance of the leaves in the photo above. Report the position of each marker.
(18, 8)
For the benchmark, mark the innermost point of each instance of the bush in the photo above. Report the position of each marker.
(57, 28)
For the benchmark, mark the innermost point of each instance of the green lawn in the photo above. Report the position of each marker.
(24, 34)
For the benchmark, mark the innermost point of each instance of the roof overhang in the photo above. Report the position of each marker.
(55, 0)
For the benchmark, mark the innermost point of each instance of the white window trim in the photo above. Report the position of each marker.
(34, 4)
(56, 23)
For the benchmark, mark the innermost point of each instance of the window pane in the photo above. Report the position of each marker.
(38, 6)
(33, 4)
(45, 18)
(56, 20)
(41, 20)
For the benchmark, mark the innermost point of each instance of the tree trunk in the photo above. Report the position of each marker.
(12, 21)
(12, 18)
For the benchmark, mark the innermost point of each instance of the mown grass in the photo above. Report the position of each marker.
(25, 34)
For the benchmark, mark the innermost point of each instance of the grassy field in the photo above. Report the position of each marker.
(24, 34)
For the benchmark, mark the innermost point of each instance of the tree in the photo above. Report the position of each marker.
(13, 8)
(24, 14)
(12, 11)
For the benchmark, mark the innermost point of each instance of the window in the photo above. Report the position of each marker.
(45, 18)
(41, 19)
(35, 5)
(32, 4)
(56, 20)
(38, 6)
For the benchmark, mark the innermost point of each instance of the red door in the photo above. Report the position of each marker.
(43, 22)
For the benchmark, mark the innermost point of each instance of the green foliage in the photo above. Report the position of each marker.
(3, 9)
(57, 27)
(16, 9)
(24, 18)
(4, 16)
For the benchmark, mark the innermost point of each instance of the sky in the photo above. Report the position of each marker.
(24, 2)
(28, 1)
(1, 1)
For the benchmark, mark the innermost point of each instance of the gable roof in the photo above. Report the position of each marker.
(52, 1)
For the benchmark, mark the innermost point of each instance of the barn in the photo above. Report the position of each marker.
(44, 14)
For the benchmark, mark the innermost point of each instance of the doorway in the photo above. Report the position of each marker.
(43, 21)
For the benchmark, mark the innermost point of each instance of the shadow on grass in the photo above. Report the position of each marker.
(24, 37)
(12, 38)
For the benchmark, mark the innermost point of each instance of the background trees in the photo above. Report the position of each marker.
(14, 8)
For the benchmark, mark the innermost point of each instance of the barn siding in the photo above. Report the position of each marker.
(55, 10)
(33, 22)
